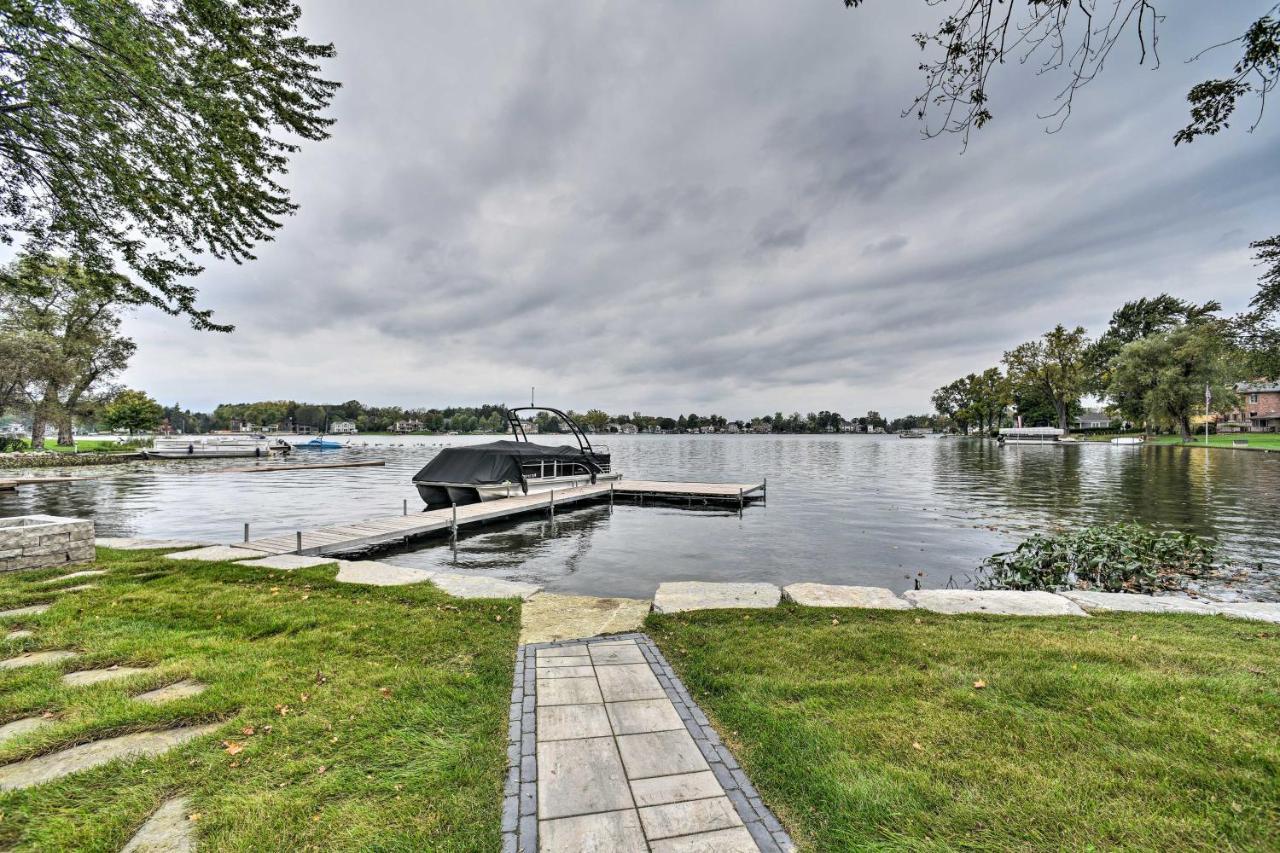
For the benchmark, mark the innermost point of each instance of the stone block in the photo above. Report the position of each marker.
(675, 789)
(688, 818)
(213, 553)
(548, 617)
(829, 595)
(579, 777)
(681, 596)
(1095, 602)
(615, 831)
(999, 602)
(660, 754)
(568, 722)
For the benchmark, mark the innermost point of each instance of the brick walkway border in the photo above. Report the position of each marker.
(520, 793)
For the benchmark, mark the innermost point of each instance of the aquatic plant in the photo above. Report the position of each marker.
(1116, 557)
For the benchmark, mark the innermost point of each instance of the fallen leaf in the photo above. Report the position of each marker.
(979, 684)
(1134, 638)
(282, 710)
(194, 816)
(233, 747)
(915, 744)
(247, 731)
(315, 819)
(304, 696)
(835, 621)
(385, 691)
(321, 678)
(266, 730)
(497, 618)
(321, 769)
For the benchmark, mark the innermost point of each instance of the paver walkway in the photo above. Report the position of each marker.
(608, 752)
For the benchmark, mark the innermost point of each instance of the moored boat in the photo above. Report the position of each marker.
(1128, 439)
(911, 433)
(1030, 435)
(319, 443)
(501, 469)
(213, 447)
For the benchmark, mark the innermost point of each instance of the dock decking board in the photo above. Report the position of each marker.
(386, 529)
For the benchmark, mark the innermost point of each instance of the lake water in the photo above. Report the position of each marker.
(873, 510)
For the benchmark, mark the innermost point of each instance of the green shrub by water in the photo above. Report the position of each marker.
(1109, 557)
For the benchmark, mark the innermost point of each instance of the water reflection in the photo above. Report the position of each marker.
(851, 509)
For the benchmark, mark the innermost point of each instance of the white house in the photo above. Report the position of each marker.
(342, 428)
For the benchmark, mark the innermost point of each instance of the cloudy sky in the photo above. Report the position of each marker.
(678, 207)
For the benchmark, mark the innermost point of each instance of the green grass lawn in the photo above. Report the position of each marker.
(91, 445)
(864, 729)
(378, 714)
(1268, 440)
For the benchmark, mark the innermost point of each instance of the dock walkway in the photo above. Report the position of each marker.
(398, 528)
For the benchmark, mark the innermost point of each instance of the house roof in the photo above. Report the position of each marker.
(1257, 387)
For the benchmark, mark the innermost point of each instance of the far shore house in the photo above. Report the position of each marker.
(1093, 419)
(342, 428)
(407, 426)
(1259, 409)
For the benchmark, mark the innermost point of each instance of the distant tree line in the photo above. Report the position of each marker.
(1152, 367)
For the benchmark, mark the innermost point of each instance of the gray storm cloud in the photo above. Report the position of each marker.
(711, 207)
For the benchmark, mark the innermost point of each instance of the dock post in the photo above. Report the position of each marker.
(611, 497)
(455, 520)
(551, 506)
(299, 534)
(406, 506)
(764, 491)
(246, 531)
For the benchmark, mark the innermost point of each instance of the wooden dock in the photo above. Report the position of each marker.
(386, 530)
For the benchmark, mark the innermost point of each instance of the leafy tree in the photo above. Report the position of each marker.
(64, 312)
(1139, 319)
(595, 419)
(1055, 366)
(153, 131)
(1162, 378)
(990, 393)
(133, 411)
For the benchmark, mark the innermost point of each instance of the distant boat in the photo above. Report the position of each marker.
(213, 446)
(319, 443)
(911, 433)
(1128, 439)
(1030, 435)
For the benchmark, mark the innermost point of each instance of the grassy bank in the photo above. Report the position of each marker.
(362, 717)
(91, 445)
(908, 730)
(1257, 440)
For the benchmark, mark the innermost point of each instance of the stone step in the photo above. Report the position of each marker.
(87, 573)
(30, 610)
(169, 693)
(18, 728)
(37, 658)
(85, 677)
(46, 768)
(19, 634)
(168, 830)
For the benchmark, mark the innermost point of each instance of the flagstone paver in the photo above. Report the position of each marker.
(87, 573)
(547, 617)
(17, 728)
(85, 677)
(19, 634)
(374, 573)
(37, 658)
(607, 752)
(214, 553)
(30, 610)
(45, 768)
(168, 830)
(130, 543)
(288, 562)
(184, 689)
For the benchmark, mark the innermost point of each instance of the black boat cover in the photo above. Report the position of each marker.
(494, 462)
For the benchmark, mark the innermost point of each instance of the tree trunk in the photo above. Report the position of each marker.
(66, 434)
(1061, 408)
(1184, 426)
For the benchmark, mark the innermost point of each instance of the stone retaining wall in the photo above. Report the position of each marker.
(65, 460)
(40, 541)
